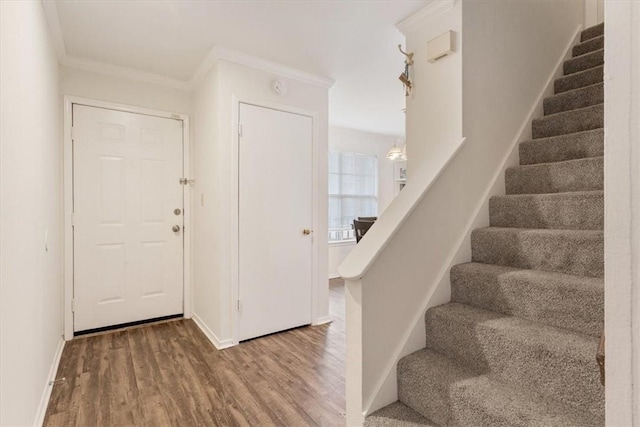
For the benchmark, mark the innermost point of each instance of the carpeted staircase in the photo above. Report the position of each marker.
(517, 344)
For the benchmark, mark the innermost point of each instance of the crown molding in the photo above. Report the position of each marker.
(216, 53)
(420, 18)
(53, 21)
(123, 72)
(222, 53)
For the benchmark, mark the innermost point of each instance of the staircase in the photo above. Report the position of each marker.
(516, 345)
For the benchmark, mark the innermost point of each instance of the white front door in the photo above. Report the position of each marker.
(128, 221)
(275, 209)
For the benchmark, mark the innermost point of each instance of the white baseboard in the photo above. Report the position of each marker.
(218, 344)
(48, 386)
(322, 320)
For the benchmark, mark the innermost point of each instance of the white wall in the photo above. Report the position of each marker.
(355, 141)
(31, 212)
(104, 87)
(434, 108)
(215, 104)
(622, 213)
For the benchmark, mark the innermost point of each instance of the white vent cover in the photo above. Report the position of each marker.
(441, 46)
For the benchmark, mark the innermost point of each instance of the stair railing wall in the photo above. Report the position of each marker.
(401, 267)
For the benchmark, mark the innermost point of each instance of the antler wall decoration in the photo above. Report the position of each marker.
(404, 77)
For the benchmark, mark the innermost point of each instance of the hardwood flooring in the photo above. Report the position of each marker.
(169, 374)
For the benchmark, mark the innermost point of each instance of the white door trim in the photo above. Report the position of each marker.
(68, 199)
(235, 198)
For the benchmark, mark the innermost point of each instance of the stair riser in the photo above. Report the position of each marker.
(569, 378)
(569, 122)
(580, 98)
(578, 80)
(591, 45)
(575, 175)
(567, 211)
(569, 302)
(583, 62)
(580, 253)
(433, 385)
(564, 147)
(589, 33)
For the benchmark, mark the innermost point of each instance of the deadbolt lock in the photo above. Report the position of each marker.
(177, 211)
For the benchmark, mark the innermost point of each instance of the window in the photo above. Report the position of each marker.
(353, 192)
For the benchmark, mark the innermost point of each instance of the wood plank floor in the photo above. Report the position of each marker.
(169, 374)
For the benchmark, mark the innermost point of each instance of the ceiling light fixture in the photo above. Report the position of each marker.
(397, 153)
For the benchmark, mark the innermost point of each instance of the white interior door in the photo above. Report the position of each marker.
(275, 209)
(128, 261)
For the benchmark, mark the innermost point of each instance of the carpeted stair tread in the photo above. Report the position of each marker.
(583, 62)
(558, 177)
(578, 80)
(397, 415)
(579, 145)
(580, 210)
(575, 303)
(574, 99)
(551, 361)
(589, 45)
(571, 121)
(577, 252)
(591, 32)
(452, 395)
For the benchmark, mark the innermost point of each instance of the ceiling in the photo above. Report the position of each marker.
(352, 41)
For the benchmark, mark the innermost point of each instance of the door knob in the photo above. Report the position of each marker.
(306, 231)
(175, 228)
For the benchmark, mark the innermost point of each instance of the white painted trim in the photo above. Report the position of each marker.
(187, 261)
(334, 276)
(48, 386)
(493, 186)
(237, 57)
(51, 14)
(364, 255)
(68, 198)
(322, 320)
(343, 242)
(216, 53)
(235, 197)
(419, 19)
(622, 212)
(124, 72)
(217, 343)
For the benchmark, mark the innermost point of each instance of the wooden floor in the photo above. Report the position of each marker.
(169, 374)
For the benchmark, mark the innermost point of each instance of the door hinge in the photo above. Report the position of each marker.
(187, 181)
(73, 219)
(239, 305)
(73, 306)
(73, 133)
(239, 129)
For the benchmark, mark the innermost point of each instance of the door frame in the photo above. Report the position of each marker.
(69, 101)
(235, 211)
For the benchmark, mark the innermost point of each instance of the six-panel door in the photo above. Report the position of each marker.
(128, 260)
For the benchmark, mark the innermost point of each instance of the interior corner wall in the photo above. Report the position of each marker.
(622, 212)
(213, 192)
(209, 254)
(434, 107)
(31, 257)
(355, 141)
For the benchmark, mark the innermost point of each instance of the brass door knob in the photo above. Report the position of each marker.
(306, 231)
(175, 228)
